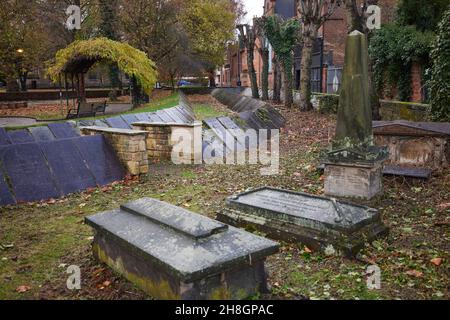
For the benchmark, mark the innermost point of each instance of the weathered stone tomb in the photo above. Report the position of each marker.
(172, 253)
(323, 224)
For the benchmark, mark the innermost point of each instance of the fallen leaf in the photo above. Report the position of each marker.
(307, 250)
(444, 206)
(82, 205)
(22, 289)
(436, 261)
(414, 273)
(106, 283)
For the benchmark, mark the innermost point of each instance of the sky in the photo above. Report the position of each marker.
(253, 8)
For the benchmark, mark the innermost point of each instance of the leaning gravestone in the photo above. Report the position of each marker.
(28, 172)
(41, 133)
(100, 158)
(69, 170)
(172, 253)
(6, 196)
(319, 222)
(354, 165)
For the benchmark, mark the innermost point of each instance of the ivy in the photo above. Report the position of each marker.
(283, 36)
(130, 60)
(393, 49)
(440, 72)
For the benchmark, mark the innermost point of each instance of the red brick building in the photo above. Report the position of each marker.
(328, 53)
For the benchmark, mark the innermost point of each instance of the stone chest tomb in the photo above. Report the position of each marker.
(172, 253)
(319, 222)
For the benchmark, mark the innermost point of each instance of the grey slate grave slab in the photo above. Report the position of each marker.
(20, 136)
(129, 119)
(172, 253)
(100, 158)
(41, 133)
(100, 123)
(166, 117)
(233, 129)
(63, 130)
(154, 117)
(186, 112)
(28, 172)
(86, 123)
(4, 137)
(6, 197)
(419, 173)
(319, 222)
(117, 122)
(176, 111)
(176, 116)
(142, 116)
(67, 165)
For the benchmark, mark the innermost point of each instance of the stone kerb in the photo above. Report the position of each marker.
(159, 138)
(130, 146)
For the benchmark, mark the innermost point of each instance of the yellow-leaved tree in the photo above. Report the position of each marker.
(210, 25)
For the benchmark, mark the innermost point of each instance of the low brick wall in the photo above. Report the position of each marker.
(13, 105)
(130, 146)
(160, 139)
(40, 95)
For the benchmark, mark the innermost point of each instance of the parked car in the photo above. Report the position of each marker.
(184, 83)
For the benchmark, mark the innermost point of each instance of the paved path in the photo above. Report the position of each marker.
(10, 122)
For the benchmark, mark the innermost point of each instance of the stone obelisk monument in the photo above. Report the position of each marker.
(354, 165)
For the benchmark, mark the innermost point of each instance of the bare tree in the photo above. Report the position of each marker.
(248, 38)
(263, 49)
(313, 14)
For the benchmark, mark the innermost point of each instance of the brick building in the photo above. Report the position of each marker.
(328, 52)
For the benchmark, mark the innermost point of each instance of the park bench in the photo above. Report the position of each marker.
(87, 109)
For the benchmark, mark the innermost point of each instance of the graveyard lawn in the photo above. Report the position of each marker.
(39, 241)
(54, 110)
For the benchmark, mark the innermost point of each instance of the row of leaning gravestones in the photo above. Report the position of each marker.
(172, 253)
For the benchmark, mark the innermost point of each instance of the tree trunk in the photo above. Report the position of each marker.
(305, 74)
(276, 81)
(12, 85)
(114, 77)
(23, 81)
(373, 94)
(81, 88)
(252, 73)
(135, 92)
(212, 79)
(287, 82)
(265, 74)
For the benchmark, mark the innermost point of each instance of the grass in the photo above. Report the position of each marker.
(204, 111)
(164, 103)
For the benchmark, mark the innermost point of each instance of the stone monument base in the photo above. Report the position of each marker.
(323, 224)
(354, 180)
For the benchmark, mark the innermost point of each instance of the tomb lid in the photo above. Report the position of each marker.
(403, 127)
(310, 211)
(183, 221)
(180, 255)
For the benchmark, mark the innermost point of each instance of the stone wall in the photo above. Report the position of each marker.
(159, 139)
(130, 146)
(13, 105)
(390, 110)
